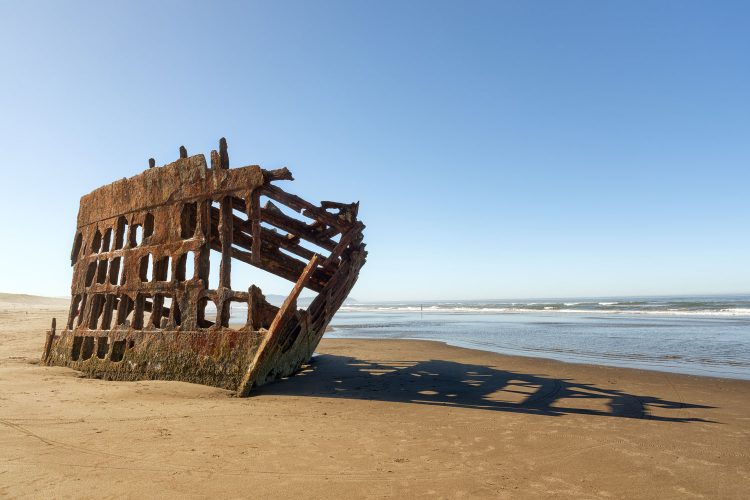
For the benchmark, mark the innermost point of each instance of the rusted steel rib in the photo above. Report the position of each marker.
(141, 272)
(263, 363)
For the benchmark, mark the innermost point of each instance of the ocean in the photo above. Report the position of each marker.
(695, 335)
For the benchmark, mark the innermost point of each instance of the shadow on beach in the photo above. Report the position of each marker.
(447, 383)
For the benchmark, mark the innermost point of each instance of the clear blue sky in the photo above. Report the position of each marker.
(499, 149)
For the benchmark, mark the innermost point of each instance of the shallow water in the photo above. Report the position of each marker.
(685, 336)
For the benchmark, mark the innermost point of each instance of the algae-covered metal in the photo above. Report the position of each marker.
(140, 293)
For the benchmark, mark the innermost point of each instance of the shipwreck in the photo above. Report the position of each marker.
(141, 306)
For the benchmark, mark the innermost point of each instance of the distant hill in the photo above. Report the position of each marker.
(277, 300)
(19, 300)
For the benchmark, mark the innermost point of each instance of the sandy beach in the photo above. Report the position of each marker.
(370, 418)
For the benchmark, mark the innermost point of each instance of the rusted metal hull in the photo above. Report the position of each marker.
(138, 312)
(212, 358)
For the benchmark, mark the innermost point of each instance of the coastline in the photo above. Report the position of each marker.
(457, 344)
(680, 344)
(372, 418)
(541, 358)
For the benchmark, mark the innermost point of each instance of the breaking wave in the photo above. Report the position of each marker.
(710, 307)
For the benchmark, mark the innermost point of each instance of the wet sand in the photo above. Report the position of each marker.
(370, 418)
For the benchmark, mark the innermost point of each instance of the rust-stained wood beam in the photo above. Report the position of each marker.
(225, 238)
(279, 264)
(304, 207)
(298, 228)
(223, 154)
(243, 232)
(270, 344)
(255, 303)
(279, 174)
(254, 215)
(292, 226)
(344, 242)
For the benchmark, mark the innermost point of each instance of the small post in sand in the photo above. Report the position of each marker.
(48, 342)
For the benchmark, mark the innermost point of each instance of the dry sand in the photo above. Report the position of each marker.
(370, 419)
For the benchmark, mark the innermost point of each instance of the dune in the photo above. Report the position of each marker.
(19, 300)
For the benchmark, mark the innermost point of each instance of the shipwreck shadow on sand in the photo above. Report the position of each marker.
(451, 384)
